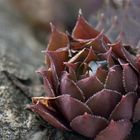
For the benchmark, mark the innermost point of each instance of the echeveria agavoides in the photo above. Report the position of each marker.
(91, 84)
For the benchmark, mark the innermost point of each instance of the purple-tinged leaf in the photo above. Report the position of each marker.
(50, 116)
(90, 86)
(98, 44)
(48, 89)
(122, 53)
(136, 116)
(55, 79)
(67, 86)
(117, 49)
(83, 30)
(91, 56)
(124, 109)
(58, 40)
(130, 58)
(108, 56)
(130, 78)
(103, 102)
(101, 74)
(116, 130)
(77, 44)
(88, 125)
(71, 107)
(57, 58)
(47, 80)
(114, 80)
(72, 67)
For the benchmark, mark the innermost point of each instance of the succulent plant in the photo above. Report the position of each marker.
(91, 84)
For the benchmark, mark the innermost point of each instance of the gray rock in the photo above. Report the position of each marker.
(18, 44)
(15, 120)
(17, 39)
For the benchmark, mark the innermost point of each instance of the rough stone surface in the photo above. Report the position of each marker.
(15, 121)
(16, 38)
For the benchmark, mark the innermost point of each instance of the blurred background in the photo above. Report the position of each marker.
(25, 29)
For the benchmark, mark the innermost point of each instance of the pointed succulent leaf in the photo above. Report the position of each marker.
(97, 44)
(117, 49)
(57, 40)
(103, 102)
(116, 130)
(47, 80)
(48, 115)
(91, 56)
(122, 53)
(57, 58)
(130, 78)
(67, 86)
(83, 30)
(90, 86)
(72, 67)
(46, 73)
(108, 57)
(71, 107)
(76, 44)
(130, 58)
(114, 80)
(88, 125)
(48, 89)
(125, 108)
(101, 74)
(55, 79)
